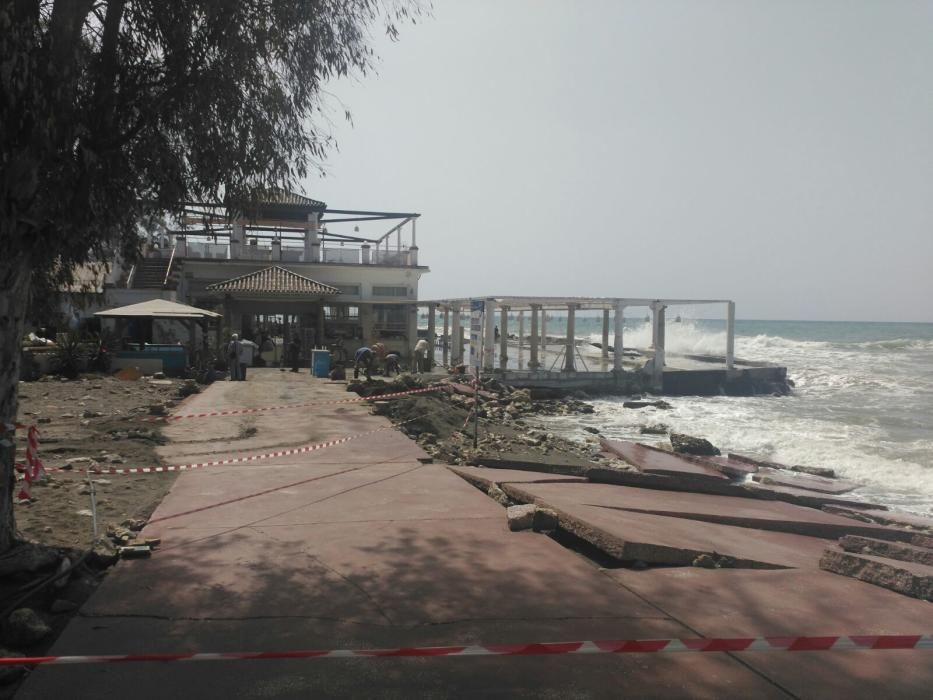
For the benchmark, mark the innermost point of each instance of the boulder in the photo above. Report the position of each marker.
(654, 429)
(24, 628)
(687, 444)
(591, 429)
(645, 404)
(27, 558)
(521, 517)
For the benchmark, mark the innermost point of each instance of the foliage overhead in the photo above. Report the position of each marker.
(115, 110)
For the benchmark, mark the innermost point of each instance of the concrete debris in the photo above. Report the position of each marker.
(908, 578)
(24, 628)
(888, 550)
(498, 495)
(545, 520)
(688, 444)
(654, 429)
(521, 517)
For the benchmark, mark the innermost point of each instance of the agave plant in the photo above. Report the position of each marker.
(71, 355)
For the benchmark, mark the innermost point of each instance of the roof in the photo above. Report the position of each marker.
(157, 308)
(290, 199)
(273, 280)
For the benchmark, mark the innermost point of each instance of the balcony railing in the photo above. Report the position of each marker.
(346, 255)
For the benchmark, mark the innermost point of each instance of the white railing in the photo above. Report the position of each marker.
(342, 255)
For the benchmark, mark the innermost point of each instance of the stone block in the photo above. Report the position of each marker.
(521, 517)
(888, 550)
(545, 520)
(908, 578)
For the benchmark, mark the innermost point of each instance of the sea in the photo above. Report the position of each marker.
(862, 402)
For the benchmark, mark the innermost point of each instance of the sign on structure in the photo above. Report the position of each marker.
(477, 319)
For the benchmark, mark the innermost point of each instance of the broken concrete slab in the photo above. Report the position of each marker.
(922, 541)
(725, 510)
(520, 517)
(483, 478)
(908, 578)
(815, 471)
(888, 550)
(884, 517)
(802, 497)
(722, 487)
(656, 539)
(654, 461)
(546, 519)
(783, 477)
(536, 464)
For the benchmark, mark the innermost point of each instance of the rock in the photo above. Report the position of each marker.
(664, 405)
(591, 429)
(84, 490)
(27, 558)
(92, 414)
(45, 420)
(85, 512)
(521, 517)
(825, 472)
(545, 520)
(63, 606)
(498, 495)
(67, 415)
(158, 375)
(687, 444)
(24, 628)
(157, 409)
(103, 554)
(922, 541)
(704, 561)
(654, 429)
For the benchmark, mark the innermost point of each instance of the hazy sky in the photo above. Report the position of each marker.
(776, 153)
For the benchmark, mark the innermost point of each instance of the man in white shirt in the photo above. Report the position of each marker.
(421, 356)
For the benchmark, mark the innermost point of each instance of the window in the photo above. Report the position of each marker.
(390, 291)
(349, 289)
(342, 313)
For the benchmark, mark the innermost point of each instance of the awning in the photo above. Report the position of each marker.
(158, 308)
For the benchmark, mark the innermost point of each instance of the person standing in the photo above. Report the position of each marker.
(233, 357)
(422, 360)
(247, 351)
(294, 351)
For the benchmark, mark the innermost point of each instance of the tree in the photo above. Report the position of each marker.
(114, 110)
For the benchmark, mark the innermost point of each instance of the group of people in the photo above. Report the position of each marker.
(365, 359)
(240, 353)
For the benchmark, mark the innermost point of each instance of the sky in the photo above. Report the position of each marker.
(776, 153)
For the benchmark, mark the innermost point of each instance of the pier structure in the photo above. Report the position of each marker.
(537, 360)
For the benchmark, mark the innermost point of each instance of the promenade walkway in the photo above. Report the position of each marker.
(358, 545)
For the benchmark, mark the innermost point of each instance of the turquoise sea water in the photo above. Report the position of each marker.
(863, 401)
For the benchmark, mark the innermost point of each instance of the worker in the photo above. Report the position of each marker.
(233, 357)
(294, 351)
(363, 357)
(391, 363)
(422, 361)
(247, 351)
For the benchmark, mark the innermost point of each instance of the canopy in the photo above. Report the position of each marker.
(157, 308)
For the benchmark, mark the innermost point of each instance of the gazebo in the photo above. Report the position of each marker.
(151, 356)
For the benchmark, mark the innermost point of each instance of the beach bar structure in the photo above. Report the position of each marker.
(568, 369)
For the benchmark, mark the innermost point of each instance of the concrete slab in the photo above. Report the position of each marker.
(888, 550)
(483, 477)
(799, 480)
(652, 461)
(725, 510)
(728, 603)
(884, 517)
(657, 539)
(907, 577)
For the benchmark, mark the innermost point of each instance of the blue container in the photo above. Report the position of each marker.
(320, 363)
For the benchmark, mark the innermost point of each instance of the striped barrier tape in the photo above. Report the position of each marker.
(33, 470)
(232, 460)
(262, 409)
(610, 646)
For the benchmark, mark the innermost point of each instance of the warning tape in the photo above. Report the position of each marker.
(262, 409)
(605, 646)
(232, 460)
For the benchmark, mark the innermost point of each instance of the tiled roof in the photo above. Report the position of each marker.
(273, 280)
(290, 199)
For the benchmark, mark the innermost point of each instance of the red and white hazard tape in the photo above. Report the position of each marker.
(610, 646)
(263, 409)
(33, 470)
(232, 460)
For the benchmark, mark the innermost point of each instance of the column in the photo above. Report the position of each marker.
(412, 334)
(319, 327)
(730, 335)
(533, 360)
(657, 335)
(456, 338)
(543, 329)
(617, 341)
(237, 236)
(432, 335)
(570, 348)
(365, 254)
(489, 336)
(312, 240)
(446, 349)
(504, 338)
(605, 337)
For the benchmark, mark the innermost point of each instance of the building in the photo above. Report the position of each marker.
(290, 267)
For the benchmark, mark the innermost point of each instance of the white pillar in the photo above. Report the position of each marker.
(617, 341)
(543, 329)
(489, 336)
(365, 253)
(504, 338)
(414, 238)
(312, 240)
(521, 329)
(237, 236)
(432, 335)
(533, 360)
(446, 349)
(730, 335)
(276, 250)
(455, 336)
(657, 332)
(605, 336)
(571, 348)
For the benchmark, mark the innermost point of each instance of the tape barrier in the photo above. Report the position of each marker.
(263, 409)
(605, 646)
(232, 460)
(33, 470)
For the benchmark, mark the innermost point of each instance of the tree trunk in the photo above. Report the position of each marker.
(14, 291)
